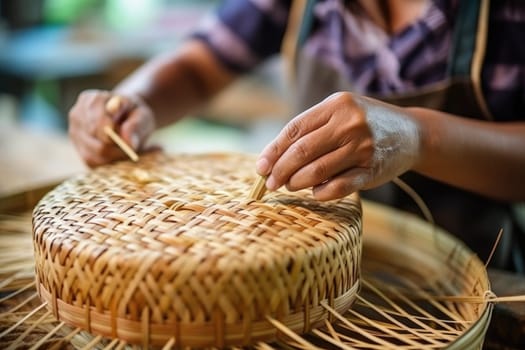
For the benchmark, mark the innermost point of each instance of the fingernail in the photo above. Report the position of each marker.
(262, 166)
(271, 184)
(135, 141)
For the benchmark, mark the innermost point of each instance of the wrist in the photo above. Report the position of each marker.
(428, 136)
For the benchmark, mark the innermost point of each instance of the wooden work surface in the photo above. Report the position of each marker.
(29, 158)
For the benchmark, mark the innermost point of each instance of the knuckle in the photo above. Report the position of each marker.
(364, 151)
(293, 129)
(272, 150)
(319, 172)
(340, 189)
(341, 97)
(344, 140)
(299, 151)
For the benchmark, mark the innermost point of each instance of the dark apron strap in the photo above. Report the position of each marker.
(307, 23)
(464, 39)
(469, 43)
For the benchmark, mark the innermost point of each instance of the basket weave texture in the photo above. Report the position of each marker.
(172, 247)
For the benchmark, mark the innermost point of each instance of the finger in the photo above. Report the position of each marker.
(353, 154)
(343, 184)
(96, 151)
(301, 125)
(95, 117)
(302, 152)
(136, 128)
(152, 149)
(93, 159)
(85, 115)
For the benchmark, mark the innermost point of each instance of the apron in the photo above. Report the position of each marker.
(474, 219)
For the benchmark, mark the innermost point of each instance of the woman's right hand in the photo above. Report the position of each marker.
(133, 121)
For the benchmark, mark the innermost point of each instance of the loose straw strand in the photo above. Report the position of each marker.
(496, 243)
(416, 198)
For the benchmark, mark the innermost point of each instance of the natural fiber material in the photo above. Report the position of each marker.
(420, 289)
(172, 247)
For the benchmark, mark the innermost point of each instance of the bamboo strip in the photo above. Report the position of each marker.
(384, 330)
(288, 332)
(121, 143)
(47, 336)
(259, 188)
(110, 345)
(113, 105)
(20, 305)
(263, 346)
(332, 340)
(66, 339)
(22, 320)
(359, 331)
(17, 292)
(396, 322)
(92, 343)
(427, 214)
(15, 343)
(169, 345)
(402, 312)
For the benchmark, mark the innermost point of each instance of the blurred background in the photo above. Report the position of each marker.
(51, 50)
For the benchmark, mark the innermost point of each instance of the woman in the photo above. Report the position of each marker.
(451, 117)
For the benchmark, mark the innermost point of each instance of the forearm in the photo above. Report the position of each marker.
(177, 83)
(483, 157)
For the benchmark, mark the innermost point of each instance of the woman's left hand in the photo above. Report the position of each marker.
(343, 144)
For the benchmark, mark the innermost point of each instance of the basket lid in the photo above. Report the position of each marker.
(172, 246)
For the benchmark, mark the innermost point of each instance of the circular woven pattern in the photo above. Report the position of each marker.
(172, 247)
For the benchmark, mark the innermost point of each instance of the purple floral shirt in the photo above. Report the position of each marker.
(242, 33)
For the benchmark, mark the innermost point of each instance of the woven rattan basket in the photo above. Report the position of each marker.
(172, 247)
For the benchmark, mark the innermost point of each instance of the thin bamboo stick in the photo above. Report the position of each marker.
(22, 320)
(65, 339)
(17, 292)
(113, 105)
(111, 344)
(288, 332)
(259, 188)
(92, 343)
(47, 336)
(16, 342)
(121, 143)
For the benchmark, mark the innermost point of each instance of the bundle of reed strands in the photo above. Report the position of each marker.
(16, 263)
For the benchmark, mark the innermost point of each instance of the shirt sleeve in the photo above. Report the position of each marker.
(242, 33)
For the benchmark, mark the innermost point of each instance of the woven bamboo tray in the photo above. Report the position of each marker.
(173, 246)
(420, 288)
